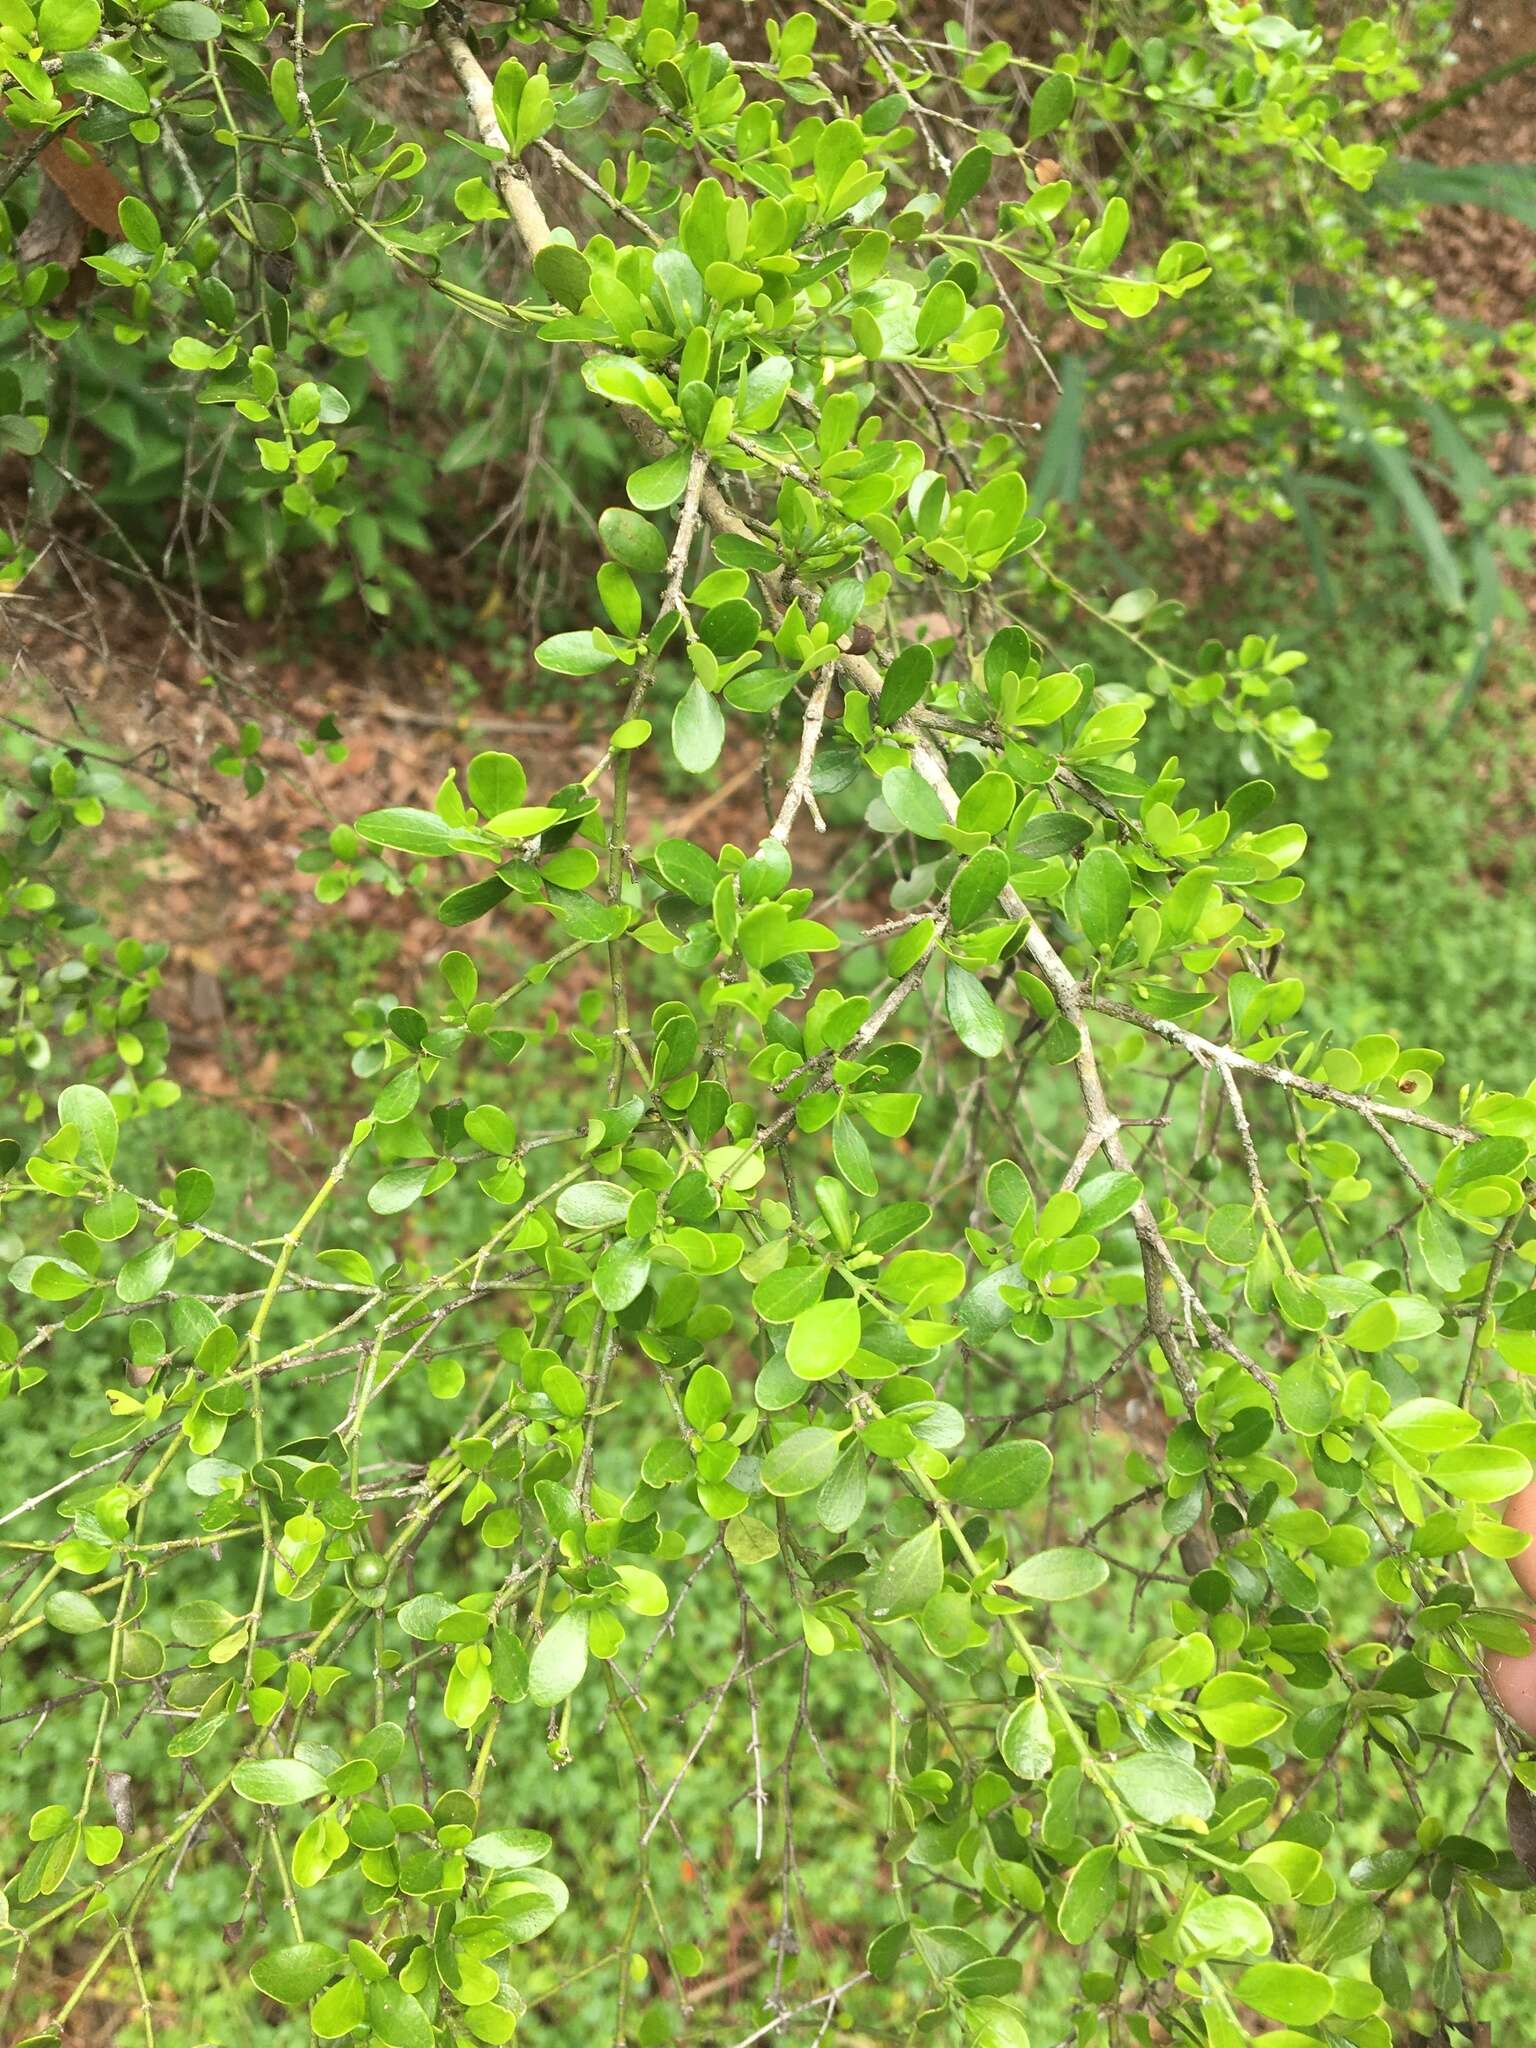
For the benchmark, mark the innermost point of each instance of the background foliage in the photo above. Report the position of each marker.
(668, 1471)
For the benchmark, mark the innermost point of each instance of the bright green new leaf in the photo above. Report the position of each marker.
(278, 1781)
(1060, 1574)
(909, 1577)
(1286, 1991)
(823, 1339)
(1089, 1897)
(801, 1462)
(1006, 1475)
(559, 1660)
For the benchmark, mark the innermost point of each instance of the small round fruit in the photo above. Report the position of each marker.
(368, 1570)
(1520, 1513)
(1513, 1680)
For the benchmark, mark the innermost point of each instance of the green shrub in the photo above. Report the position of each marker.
(982, 1421)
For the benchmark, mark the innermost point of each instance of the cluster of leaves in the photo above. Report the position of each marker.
(282, 309)
(62, 976)
(716, 1357)
(249, 324)
(1290, 396)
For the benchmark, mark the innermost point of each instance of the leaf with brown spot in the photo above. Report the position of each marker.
(1520, 1821)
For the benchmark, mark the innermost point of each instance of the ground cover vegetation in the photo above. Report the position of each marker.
(897, 1409)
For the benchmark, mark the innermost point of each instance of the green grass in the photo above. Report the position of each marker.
(1416, 919)
(1421, 865)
